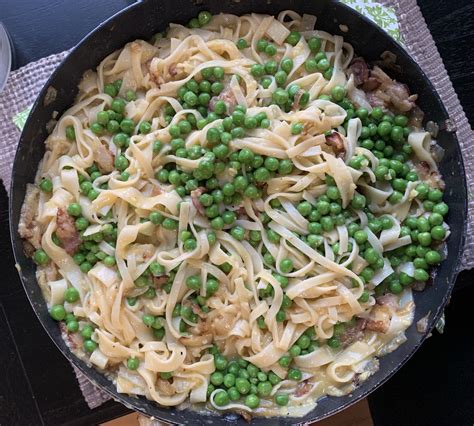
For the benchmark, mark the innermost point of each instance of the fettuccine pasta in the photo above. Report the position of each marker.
(232, 215)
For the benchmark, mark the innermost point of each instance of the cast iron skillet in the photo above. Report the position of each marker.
(142, 20)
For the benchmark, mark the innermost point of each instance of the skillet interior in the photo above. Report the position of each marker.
(142, 20)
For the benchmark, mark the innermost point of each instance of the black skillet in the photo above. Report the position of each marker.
(142, 20)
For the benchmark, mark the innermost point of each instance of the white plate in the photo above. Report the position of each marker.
(5, 57)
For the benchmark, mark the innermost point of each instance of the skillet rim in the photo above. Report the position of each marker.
(167, 415)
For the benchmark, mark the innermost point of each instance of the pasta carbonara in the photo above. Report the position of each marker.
(232, 215)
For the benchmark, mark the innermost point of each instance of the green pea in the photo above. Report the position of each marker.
(333, 193)
(250, 123)
(311, 65)
(170, 224)
(297, 128)
(358, 201)
(281, 399)
(364, 297)
(257, 70)
(221, 398)
(261, 45)
(286, 265)
(46, 185)
(441, 208)
(314, 44)
(438, 233)
(280, 77)
(395, 287)
(338, 93)
(238, 233)
(367, 273)
(270, 50)
(432, 257)
(280, 96)
(284, 361)
(87, 331)
(57, 312)
(110, 90)
(435, 195)
(242, 385)
(294, 374)
(293, 38)
(252, 192)
(241, 44)
(421, 275)
(121, 163)
(261, 174)
(204, 17)
(118, 105)
(405, 279)
(323, 65)
(217, 87)
(334, 342)
(327, 223)
(90, 345)
(71, 295)
(85, 267)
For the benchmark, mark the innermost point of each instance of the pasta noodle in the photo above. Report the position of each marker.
(227, 217)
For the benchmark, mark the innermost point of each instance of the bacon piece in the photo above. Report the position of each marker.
(391, 92)
(165, 387)
(227, 96)
(246, 416)
(389, 300)
(241, 212)
(28, 228)
(66, 232)
(73, 340)
(50, 271)
(379, 319)
(416, 117)
(104, 159)
(382, 312)
(431, 177)
(359, 70)
(172, 70)
(156, 190)
(160, 281)
(303, 388)
(335, 141)
(195, 194)
(353, 334)
(157, 79)
(371, 84)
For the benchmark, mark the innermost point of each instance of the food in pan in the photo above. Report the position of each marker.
(232, 215)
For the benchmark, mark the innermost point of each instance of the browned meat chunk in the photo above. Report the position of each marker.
(195, 194)
(303, 388)
(227, 96)
(431, 177)
(379, 319)
(66, 232)
(104, 159)
(359, 70)
(353, 334)
(391, 93)
(160, 281)
(28, 228)
(335, 141)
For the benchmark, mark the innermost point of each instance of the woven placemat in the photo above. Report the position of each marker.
(409, 26)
